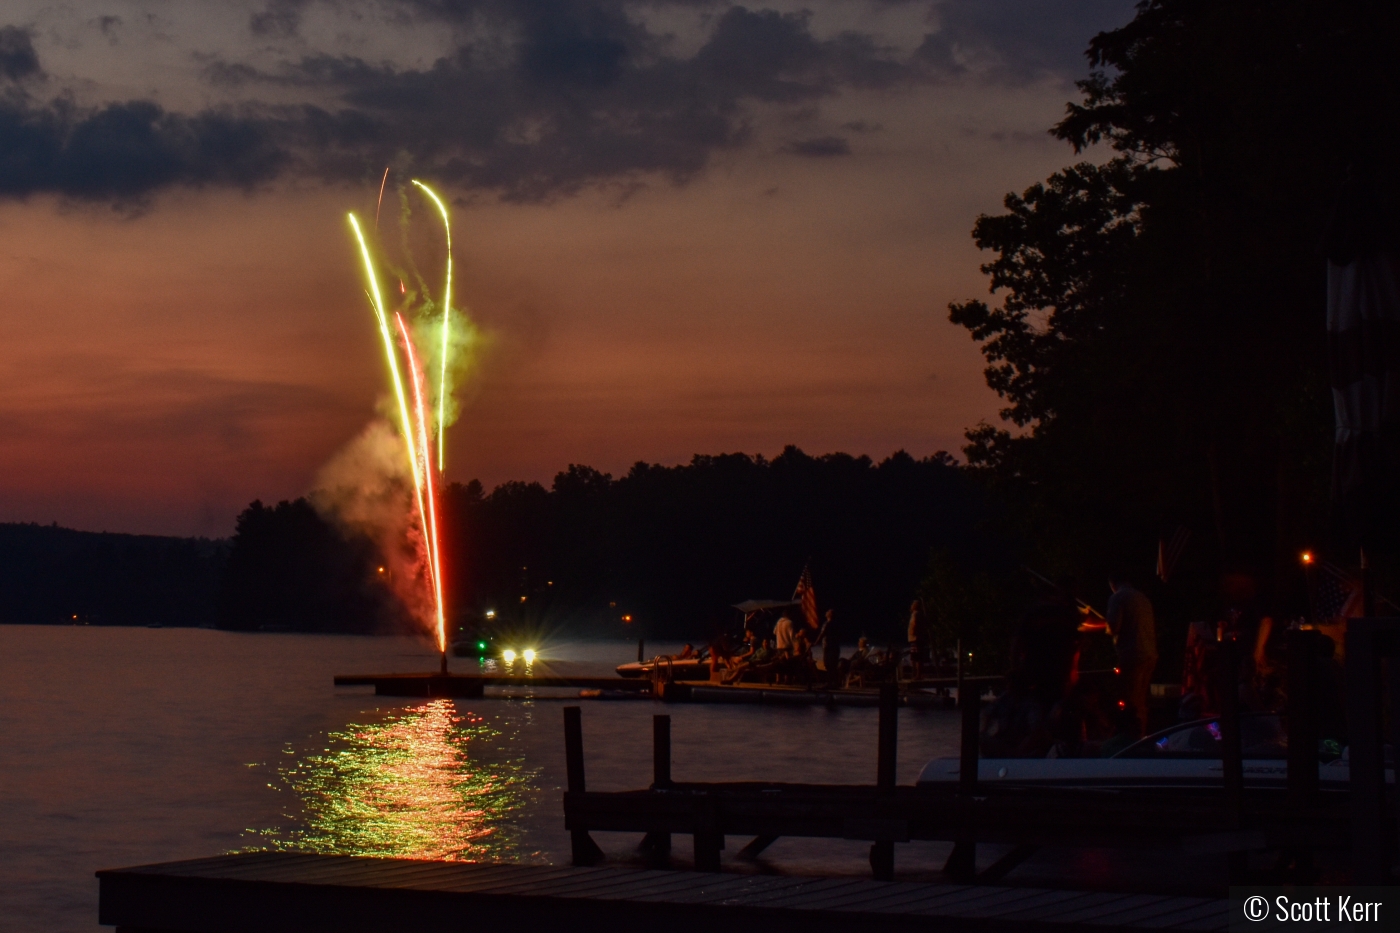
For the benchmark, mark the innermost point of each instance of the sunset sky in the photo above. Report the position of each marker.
(684, 227)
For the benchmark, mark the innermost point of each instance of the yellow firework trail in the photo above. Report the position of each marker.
(377, 300)
(446, 313)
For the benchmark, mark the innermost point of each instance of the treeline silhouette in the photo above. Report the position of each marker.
(1158, 333)
(660, 552)
(52, 575)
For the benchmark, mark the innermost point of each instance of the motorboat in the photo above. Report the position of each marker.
(1186, 755)
(672, 667)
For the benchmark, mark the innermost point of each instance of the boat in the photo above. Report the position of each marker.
(1185, 756)
(674, 668)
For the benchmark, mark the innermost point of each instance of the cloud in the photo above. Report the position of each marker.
(536, 99)
(123, 152)
(17, 56)
(1019, 40)
(820, 147)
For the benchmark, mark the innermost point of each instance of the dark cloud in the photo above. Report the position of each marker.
(1021, 39)
(820, 147)
(123, 152)
(17, 56)
(558, 95)
(279, 19)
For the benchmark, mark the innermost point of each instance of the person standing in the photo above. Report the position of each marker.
(831, 648)
(1134, 631)
(918, 638)
(782, 634)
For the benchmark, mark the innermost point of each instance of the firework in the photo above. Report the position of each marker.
(414, 427)
(446, 312)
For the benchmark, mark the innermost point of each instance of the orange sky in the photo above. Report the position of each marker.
(159, 370)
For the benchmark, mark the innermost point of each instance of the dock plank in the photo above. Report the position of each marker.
(283, 893)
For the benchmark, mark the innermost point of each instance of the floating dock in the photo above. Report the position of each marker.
(474, 685)
(432, 684)
(273, 892)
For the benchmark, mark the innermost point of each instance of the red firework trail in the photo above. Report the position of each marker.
(380, 202)
(424, 466)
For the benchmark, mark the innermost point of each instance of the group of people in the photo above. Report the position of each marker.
(784, 654)
(1047, 709)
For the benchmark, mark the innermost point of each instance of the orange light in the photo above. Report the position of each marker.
(1116, 671)
(381, 569)
(1307, 557)
(627, 618)
(1122, 705)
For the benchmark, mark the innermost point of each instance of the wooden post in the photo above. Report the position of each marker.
(585, 850)
(708, 838)
(1370, 864)
(962, 861)
(1231, 752)
(970, 702)
(882, 853)
(1303, 726)
(661, 752)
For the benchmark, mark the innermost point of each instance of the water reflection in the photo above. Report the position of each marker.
(428, 781)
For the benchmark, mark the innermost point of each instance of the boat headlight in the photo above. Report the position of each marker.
(529, 655)
(508, 656)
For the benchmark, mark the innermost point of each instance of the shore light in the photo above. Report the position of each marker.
(490, 613)
(508, 656)
(529, 655)
(1307, 558)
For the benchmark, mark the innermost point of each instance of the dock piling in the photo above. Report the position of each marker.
(962, 861)
(708, 839)
(661, 752)
(882, 853)
(585, 850)
(657, 842)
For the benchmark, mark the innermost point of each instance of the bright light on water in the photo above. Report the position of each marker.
(407, 787)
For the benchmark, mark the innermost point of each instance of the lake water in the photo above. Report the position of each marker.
(125, 746)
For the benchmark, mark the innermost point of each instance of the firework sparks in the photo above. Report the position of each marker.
(415, 434)
(446, 313)
(424, 466)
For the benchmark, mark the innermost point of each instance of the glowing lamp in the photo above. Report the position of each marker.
(481, 646)
(1307, 558)
(627, 618)
(508, 656)
(490, 613)
(529, 655)
(381, 569)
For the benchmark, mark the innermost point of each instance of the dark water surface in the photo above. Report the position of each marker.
(124, 746)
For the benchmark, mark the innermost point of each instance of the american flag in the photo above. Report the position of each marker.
(807, 596)
(1336, 593)
(1169, 552)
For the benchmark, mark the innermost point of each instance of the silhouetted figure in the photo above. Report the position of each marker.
(919, 638)
(831, 649)
(1134, 631)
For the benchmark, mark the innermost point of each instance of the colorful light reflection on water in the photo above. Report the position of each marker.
(428, 781)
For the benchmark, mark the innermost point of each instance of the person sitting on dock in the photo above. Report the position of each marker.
(686, 654)
(756, 665)
(721, 652)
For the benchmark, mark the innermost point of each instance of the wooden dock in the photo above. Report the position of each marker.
(267, 892)
(474, 685)
(433, 684)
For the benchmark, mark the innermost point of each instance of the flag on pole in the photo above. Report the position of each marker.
(1337, 593)
(1169, 552)
(807, 596)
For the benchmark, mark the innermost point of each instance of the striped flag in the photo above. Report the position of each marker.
(1168, 553)
(1337, 594)
(1363, 346)
(806, 595)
